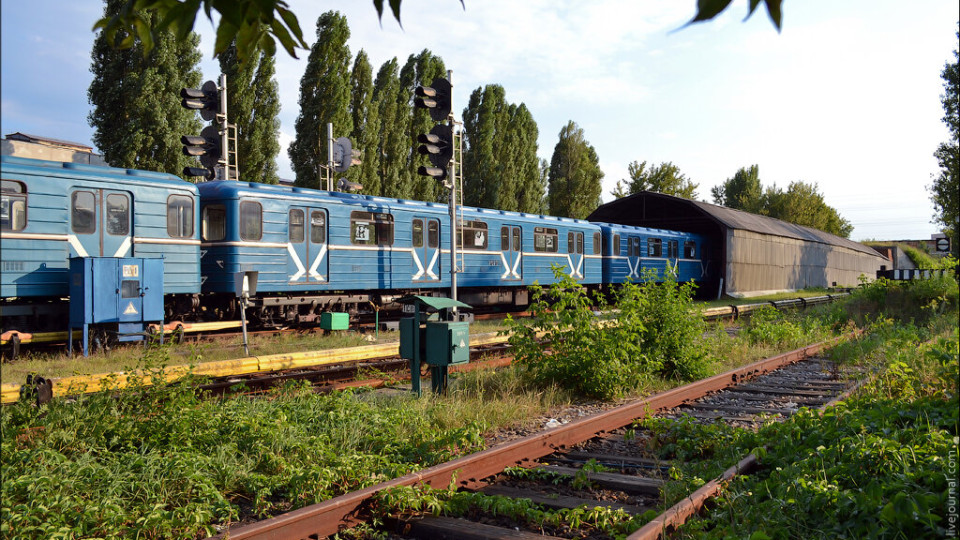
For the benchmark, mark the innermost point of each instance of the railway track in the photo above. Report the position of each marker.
(636, 478)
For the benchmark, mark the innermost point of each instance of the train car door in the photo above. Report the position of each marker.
(100, 223)
(511, 253)
(307, 245)
(575, 254)
(426, 249)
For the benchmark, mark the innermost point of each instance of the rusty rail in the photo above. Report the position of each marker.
(329, 517)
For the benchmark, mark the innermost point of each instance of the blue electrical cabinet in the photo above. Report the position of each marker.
(115, 296)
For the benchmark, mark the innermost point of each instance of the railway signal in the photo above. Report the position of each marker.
(438, 147)
(437, 98)
(212, 146)
(344, 155)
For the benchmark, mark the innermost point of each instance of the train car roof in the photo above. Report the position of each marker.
(644, 230)
(22, 165)
(230, 188)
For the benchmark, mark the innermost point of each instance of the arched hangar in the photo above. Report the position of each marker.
(750, 254)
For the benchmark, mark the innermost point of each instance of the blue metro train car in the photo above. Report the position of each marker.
(630, 251)
(318, 251)
(52, 211)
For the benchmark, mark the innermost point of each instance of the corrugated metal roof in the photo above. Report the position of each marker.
(729, 218)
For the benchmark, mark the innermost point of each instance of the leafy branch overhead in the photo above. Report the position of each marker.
(254, 24)
(708, 9)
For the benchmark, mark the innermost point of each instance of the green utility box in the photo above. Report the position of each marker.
(448, 343)
(334, 321)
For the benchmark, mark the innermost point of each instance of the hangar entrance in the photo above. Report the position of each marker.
(100, 223)
(308, 262)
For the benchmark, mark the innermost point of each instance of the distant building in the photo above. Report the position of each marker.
(36, 147)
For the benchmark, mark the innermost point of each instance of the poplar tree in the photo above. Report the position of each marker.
(324, 98)
(419, 70)
(500, 163)
(742, 192)
(136, 116)
(253, 104)
(575, 175)
(366, 125)
(393, 143)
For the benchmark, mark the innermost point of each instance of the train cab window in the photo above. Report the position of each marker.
(83, 212)
(295, 226)
(689, 249)
(118, 214)
(433, 233)
(596, 243)
(13, 206)
(371, 229)
(673, 249)
(214, 226)
(251, 220)
(417, 233)
(616, 245)
(654, 247)
(473, 235)
(179, 216)
(516, 239)
(318, 226)
(545, 239)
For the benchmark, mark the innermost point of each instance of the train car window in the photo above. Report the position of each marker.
(295, 226)
(596, 243)
(580, 242)
(417, 233)
(214, 226)
(689, 249)
(571, 248)
(473, 234)
(616, 245)
(179, 216)
(368, 228)
(83, 213)
(318, 226)
(606, 244)
(433, 233)
(673, 249)
(654, 247)
(251, 220)
(545, 239)
(634, 246)
(504, 238)
(13, 206)
(118, 214)
(516, 239)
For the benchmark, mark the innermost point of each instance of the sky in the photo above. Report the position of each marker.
(846, 96)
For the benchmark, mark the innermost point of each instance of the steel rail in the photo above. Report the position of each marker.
(329, 517)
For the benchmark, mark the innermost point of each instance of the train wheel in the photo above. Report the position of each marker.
(14, 346)
(100, 342)
(176, 337)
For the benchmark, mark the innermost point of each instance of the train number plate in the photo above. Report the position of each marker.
(131, 270)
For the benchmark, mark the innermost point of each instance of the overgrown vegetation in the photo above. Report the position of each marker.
(655, 332)
(877, 466)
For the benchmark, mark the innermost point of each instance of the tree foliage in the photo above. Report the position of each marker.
(500, 164)
(742, 192)
(136, 115)
(575, 175)
(366, 125)
(665, 178)
(945, 190)
(801, 203)
(392, 142)
(253, 104)
(324, 98)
